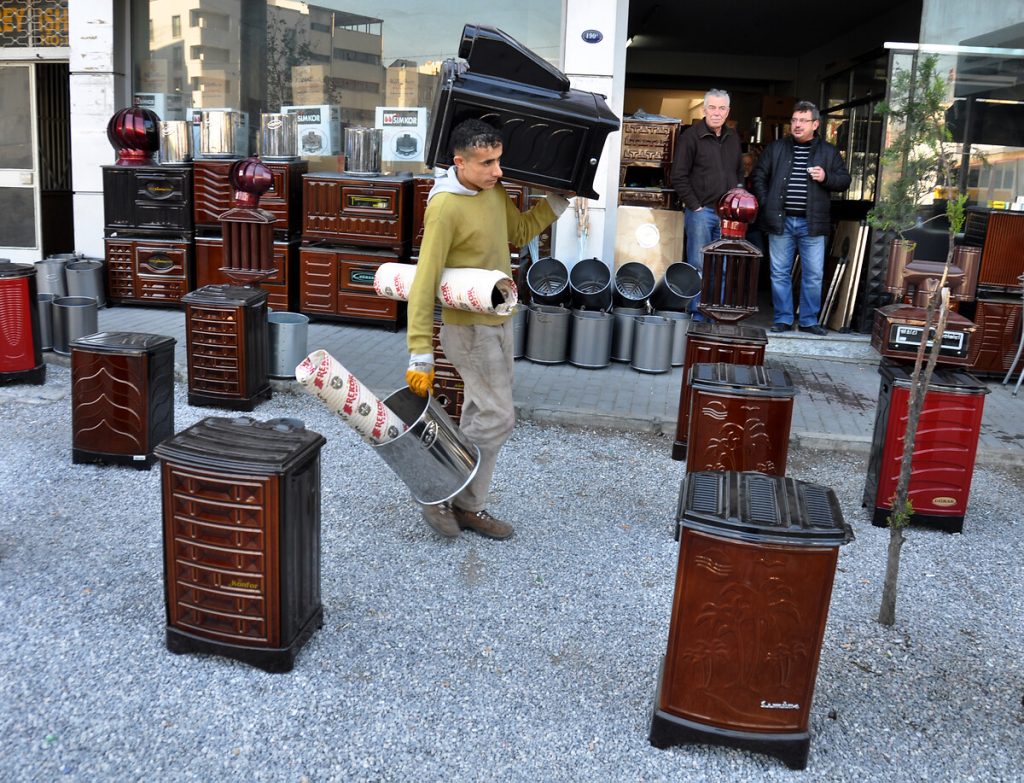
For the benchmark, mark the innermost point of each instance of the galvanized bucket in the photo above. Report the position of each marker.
(680, 326)
(622, 331)
(591, 339)
(677, 287)
(175, 142)
(288, 333)
(433, 457)
(548, 282)
(279, 136)
(50, 275)
(547, 336)
(652, 344)
(633, 284)
(85, 278)
(44, 304)
(363, 150)
(590, 283)
(73, 317)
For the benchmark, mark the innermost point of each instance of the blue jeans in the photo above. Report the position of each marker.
(781, 248)
(700, 229)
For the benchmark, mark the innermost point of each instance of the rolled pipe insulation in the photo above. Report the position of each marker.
(475, 290)
(326, 378)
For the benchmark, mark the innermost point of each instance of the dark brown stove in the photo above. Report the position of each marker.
(241, 523)
(228, 346)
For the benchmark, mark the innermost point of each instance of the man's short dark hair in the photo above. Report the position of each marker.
(473, 133)
(802, 106)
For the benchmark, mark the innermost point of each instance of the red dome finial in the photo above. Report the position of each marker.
(251, 179)
(736, 208)
(133, 132)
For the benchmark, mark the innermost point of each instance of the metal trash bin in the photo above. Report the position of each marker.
(677, 287)
(652, 344)
(624, 320)
(85, 278)
(288, 337)
(548, 282)
(50, 275)
(591, 340)
(433, 457)
(634, 282)
(44, 303)
(680, 326)
(757, 557)
(73, 317)
(547, 335)
(590, 283)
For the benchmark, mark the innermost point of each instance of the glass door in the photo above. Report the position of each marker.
(19, 196)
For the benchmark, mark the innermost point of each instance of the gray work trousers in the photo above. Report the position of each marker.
(483, 357)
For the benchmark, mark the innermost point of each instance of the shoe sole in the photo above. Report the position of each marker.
(487, 535)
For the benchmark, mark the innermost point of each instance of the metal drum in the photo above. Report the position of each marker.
(652, 344)
(623, 320)
(680, 326)
(434, 459)
(547, 336)
(175, 142)
(363, 150)
(591, 343)
(219, 134)
(279, 136)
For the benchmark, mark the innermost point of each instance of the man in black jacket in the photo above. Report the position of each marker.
(792, 181)
(707, 164)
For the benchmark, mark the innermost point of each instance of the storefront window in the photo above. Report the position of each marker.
(985, 119)
(852, 124)
(347, 60)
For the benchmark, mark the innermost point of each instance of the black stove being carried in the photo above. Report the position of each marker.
(552, 135)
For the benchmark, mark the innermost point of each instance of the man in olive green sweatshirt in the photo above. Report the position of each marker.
(469, 223)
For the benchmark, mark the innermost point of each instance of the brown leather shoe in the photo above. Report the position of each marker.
(440, 518)
(483, 523)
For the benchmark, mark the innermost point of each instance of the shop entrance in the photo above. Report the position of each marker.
(35, 161)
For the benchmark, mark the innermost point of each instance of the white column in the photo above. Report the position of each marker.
(98, 89)
(596, 67)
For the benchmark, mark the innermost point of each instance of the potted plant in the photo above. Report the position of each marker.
(917, 158)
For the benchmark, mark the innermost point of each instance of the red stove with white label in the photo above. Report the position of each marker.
(944, 447)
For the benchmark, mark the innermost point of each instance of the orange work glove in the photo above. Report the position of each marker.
(420, 378)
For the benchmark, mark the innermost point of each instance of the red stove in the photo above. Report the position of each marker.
(944, 448)
(21, 357)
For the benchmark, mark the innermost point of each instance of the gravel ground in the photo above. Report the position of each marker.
(529, 660)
